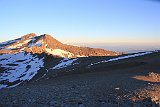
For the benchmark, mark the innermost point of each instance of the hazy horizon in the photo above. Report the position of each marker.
(127, 47)
(119, 47)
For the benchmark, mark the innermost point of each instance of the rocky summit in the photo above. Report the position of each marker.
(31, 43)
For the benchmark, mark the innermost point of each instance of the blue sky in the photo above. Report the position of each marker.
(88, 21)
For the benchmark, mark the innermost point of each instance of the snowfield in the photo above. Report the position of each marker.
(64, 63)
(59, 52)
(19, 67)
(7, 43)
(33, 43)
(18, 45)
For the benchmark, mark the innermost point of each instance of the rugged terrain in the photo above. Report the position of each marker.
(31, 43)
(34, 56)
(30, 77)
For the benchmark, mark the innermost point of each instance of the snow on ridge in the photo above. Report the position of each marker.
(19, 44)
(59, 52)
(81, 56)
(39, 43)
(122, 57)
(3, 44)
(19, 67)
(8, 42)
(64, 63)
(33, 43)
(3, 86)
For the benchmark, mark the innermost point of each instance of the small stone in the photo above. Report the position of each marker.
(15, 101)
(80, 104)
(155, 98)
(31, 100)
(53, 103)
(102, 101)
(117, 88)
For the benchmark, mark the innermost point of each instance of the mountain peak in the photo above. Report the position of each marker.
(50, 40)
(47, 35)
(47, 44)
(30, 35)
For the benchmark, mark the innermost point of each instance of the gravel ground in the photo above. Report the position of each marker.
(98, 89)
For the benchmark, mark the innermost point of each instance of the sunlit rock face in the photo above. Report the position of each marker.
(47, 44)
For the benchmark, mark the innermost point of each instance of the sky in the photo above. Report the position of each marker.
(83, 21)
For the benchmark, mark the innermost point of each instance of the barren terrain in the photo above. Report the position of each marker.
(112, 84)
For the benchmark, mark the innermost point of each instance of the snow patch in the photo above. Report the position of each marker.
(38, 43)
(8, 42)
(22, 49)
(64, 63)
(32, 42)
(19, 67)
(2, 86)
(18, 45)
(14, 85)
(81, 56)
(129, 56)
(59, 52)
(122, 57)
(3, 44)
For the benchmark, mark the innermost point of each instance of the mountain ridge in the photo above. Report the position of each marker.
(42, 64)
(47, 44)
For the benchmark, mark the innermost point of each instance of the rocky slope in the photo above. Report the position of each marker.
(22, 67)
(47, 44)
(89, 82)
(30, 55)
(63, 75)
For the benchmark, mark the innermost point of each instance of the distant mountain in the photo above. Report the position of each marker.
(47, 44)
(31, 58)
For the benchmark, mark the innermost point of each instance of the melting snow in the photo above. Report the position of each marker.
(9, 42)
(130, 56)
(19, 66)
(64, 63)
(59, 52)
(2, 86)
(81, 56)
(19, 44)
(122, 57)
(38, 43)
(14, 85)
(32, 42)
